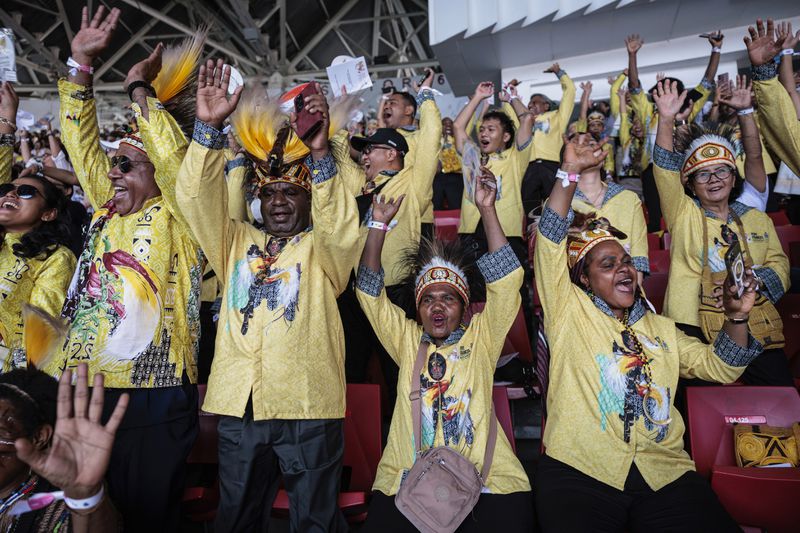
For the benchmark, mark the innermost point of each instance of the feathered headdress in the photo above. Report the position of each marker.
(704, 147)
(586, 232)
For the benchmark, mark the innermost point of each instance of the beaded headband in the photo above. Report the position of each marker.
(133, 140)
(295, 173)
(708, 150)
(439, 271)
(580, 244)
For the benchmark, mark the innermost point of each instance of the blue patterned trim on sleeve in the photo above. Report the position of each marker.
(635, 90)
(208, 136)
(424, 95)
(667, 160)
(734, 355)
(641, 264)
(707, 84)
(552, 226)
(7, 139)
(236, 163)
(560, 73)
(322, 170)
(771, 281)
(497, 265)
(521, 148)
(765, 72)
(369, 282)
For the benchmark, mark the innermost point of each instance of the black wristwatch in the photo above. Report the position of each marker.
(135, 85)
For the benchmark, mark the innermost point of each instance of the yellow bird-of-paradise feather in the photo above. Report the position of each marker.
(179, 66)
(42, 335)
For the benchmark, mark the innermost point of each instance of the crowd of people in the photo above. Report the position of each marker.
(217, 239)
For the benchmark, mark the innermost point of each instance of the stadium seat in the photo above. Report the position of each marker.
(789, 308)
(779, 218)
(653, 242)
(362, 452)
(446, 224)
(788, 235)
(659, 260)
(502, 411)
(199, 503)
(655, 287)
(760, 497)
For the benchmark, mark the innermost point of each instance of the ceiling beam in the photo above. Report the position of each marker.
(269, 15)
(33, 42)
(376, 27)
(408, 27)
(321, 34)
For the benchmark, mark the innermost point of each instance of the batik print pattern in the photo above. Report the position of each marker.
(451, 411)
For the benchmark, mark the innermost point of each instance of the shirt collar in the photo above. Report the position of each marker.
(736, 207)
(636, 312)
(453, 338)
(612, 190)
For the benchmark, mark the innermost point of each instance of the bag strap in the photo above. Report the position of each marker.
(416, 413)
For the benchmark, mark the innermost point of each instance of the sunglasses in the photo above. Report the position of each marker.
(125, 163)
(25, 192)
(370, 147)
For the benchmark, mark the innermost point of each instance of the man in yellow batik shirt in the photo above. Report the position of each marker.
(277, 377)
(132, 308)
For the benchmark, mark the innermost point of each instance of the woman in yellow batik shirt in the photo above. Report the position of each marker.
(614, 441)
(448, 185)
(697, 184)
(451, 363)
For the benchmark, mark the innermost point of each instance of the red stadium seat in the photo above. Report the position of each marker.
(659, 260)
(667, 238)
(789, 308)
(760, 497)
(655, 287)
(502, 411)
(446, 224)
(653, 242)
(779, 218)
(199, 503)
(788, 235)
(362, 452)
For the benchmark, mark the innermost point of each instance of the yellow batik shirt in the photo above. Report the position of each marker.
(423, 145)
(133, 304)
(38, 282)
(456, 409)
(550, 126)
(777, 117)
(6, 156)
(623, 209)
(509, 168)
(684, 218)
(279, 335)
(601, 387)
(449, 158)
(415, 181)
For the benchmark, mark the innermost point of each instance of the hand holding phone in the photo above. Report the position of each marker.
(734, 263)
(307, 123)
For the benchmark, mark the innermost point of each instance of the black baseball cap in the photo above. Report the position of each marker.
(388, 136)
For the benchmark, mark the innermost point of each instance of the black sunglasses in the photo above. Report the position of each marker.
(124, 163)
(23, 191)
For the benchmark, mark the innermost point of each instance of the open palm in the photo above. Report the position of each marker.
(78, 458)
(95, 35)
(761, 44)
(213, 105)
(740, 97)
(384, 210)
(668, 100)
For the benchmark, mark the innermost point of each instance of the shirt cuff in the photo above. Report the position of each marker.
(667, 160)
(765, 72)
(236, 163)
(208, 136)
(521, 148)
(706, 84)
(734, 355)
(368, 281)
(7, 139)
(322, 170)
(560, 73)
(772, 283)
(635, 90)
(424, 94)
(498, 264)
(641, 264)
(552, 226)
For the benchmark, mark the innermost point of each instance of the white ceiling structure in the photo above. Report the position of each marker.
(476, 40)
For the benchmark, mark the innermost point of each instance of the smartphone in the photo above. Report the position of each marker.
(734, 262)
(722, 79)
(387, 90)
(307, 123)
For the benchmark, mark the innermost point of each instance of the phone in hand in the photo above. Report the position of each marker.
(734, 263)
(307, 123)
(722, 79)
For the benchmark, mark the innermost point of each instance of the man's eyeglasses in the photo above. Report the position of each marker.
(24, 191)
(125, 163)
(370, 147)
(721, 174)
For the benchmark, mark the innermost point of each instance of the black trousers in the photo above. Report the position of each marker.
(651, 200)
(567, 500)
(770, 369)
(537, 183)
(147, 472)
(509, 513)
(448, 189)
(208, 337)
(254, 456)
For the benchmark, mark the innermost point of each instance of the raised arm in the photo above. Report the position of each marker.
(567, 97)
(9, 103)
(785, 71)
(715, 40)
(624, 120)
(520, 115)
(64, 176)
(633, 43)
(484, 90)
(741, 101)
(616, 86)
(586, 94)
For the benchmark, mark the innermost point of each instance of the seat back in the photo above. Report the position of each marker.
(788, 235)
(362, 434)
(779, 218)
(659, 260)
(653, 242)
(789, 308)
(655, 286)
(445, 224)
(205, 448)
(502, 411)
(712, 411)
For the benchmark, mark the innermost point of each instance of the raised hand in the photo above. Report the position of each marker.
(9, 103)
(580, 154)
(95, 35)
(316, 103)
(715, 39)
(485, 89)
(784, 35)
(668, 100)
(740, 97)
(554, 68)
(384, 210)
(738, 307)
(213, 105)
(78, 457)
(660, 76)
(486, 189)
(633, 43)
(761, 44)
(428, 81)
(147, 69)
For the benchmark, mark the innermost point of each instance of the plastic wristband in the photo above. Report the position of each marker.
(716, 49)
(745, 111)
(76, 67)
(374, 224)
(787, 51)
(86, 503)
(567, 178)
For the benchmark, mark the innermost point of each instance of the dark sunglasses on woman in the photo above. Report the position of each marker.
(24, 191)
(124, 163)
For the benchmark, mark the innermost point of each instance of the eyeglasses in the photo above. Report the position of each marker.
(721, 174)
(370, 147)
(124, 163)
(24, 191)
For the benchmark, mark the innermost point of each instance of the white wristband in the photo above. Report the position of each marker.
(787, 51)
(86, 503)
(75, 67)
(374, 224)
(745, 111)
(716, 49)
